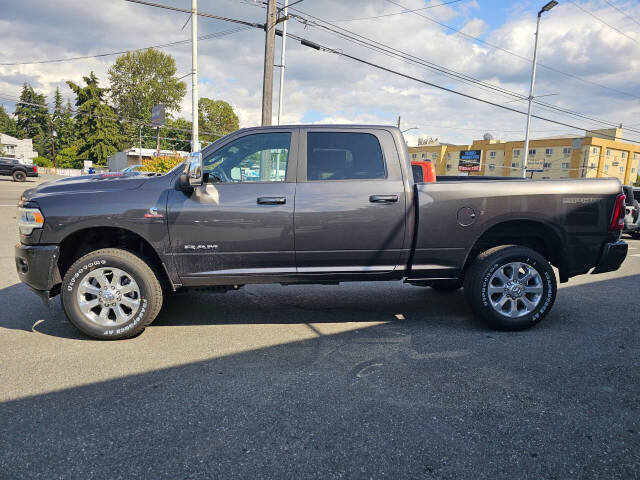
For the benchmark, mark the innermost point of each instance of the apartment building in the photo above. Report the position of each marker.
(599, 153)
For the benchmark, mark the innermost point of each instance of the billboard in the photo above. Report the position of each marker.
(157, 116)
(469, 161)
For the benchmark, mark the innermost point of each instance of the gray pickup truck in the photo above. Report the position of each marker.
(310, 205)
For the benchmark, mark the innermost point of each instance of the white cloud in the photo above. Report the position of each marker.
(326, 88)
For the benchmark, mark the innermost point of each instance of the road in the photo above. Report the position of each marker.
(379, 380)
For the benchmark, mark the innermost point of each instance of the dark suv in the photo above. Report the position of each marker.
(632, 212)
(19, 171)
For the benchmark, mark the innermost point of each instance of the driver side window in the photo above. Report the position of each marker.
(259, 157)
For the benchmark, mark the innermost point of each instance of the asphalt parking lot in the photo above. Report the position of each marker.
(381, 380)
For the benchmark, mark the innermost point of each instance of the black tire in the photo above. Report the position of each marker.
(486, 264)
(446, 286)
(150, 293)
(19, 176)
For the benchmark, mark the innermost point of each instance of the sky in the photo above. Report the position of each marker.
(588, 63)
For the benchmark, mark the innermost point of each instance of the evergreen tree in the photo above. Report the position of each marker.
(33, 119)
(63, 123)
(7, 123)
(98, 132)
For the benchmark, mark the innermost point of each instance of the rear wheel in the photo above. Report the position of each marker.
(511, 287)
(111, 294)
(19, 176)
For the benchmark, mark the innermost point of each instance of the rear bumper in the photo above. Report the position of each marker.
(37, 266)
(32, 174)
(613, 254)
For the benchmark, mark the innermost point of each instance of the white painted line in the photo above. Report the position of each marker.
(11, 205)
(635, 255)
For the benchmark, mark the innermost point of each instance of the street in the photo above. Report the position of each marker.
(361, 380)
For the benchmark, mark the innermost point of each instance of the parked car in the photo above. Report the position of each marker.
(345, 208)
(423, 171)
(632, 211)
(19, 171)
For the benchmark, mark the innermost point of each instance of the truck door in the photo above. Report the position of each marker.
(240, 221)
(350, 202)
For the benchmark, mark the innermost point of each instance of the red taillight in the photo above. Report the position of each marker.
(429, 172)
(617, 218)
(35, 169)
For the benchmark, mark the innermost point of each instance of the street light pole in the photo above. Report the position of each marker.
(195, 143)
(269, 54)
(546, 8)
(282, 53)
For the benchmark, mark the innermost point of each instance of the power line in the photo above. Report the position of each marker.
(622, 12)
(603, 22)
(390, 51)
(162, 45)
(396, 13)
(317, 46)
(471, 37)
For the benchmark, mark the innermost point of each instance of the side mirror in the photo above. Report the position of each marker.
(194, 164)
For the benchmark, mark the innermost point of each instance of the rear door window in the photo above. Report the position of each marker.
(344, 156)
(418, 174)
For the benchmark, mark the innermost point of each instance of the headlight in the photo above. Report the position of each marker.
(29, 219)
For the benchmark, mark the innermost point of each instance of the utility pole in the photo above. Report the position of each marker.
(398, 121)
(546, 8)
(157, 141)
(284, 46)
(269, 55)
(140, 149)
(195, 143)
(53, 147)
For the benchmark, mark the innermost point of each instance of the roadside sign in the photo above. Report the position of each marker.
(158, 116)
(469, 161)
(535, 170)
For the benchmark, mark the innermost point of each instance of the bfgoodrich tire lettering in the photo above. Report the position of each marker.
(144, 304)
(478, 288)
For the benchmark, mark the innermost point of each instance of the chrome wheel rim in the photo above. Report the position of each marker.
(108, 296)
(515, 289)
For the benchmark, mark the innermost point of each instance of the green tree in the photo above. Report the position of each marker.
(139, 80)
(68, 158)
(98, 131)
(215, 116)
(63, 123)
(7, 123)
(33, 119)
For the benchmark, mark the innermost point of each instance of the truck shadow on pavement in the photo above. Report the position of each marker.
(427, 397)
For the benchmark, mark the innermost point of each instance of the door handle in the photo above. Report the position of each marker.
(272, 200)
(383, 198)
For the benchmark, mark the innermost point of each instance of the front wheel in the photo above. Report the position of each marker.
(19, 176)
(511, 287)
(111, 294)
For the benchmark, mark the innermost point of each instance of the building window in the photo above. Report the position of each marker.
(566, 165)
(434, 156)
(566, 150)
(492, 154)
(615, 164)
(592, 165)
(546, 178)
(621, 169)
(492, 166)
(547, 165)
(448, 166)
(516, 152)
(633, 170)
(414, 156)
(532, 151)
(548, 151)
(595, 150)
(608, 152)
(448, 155)
(423, 155)
(636, 156)
(606, 168)
(515, 164)
(624, 155)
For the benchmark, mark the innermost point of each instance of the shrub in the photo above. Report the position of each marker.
(162, 164)
(68, 158)
(42, 162)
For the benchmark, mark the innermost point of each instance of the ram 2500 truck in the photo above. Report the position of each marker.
(310, 205)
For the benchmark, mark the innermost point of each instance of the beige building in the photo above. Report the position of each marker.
(599, 153)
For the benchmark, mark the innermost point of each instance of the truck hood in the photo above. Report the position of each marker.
(85, 184)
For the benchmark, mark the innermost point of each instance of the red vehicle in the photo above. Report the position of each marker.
(423, 171)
